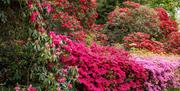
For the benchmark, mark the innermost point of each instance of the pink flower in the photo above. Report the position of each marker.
(52, 34)
(125, 87)
(93, 1)
(17, 88)
(30, 4)
(123, 9)
(62, 80)
(69, 85)
(30, 88)
(58, 89)
(48, 7)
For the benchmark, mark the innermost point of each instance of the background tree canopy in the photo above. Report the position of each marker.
(106, 6)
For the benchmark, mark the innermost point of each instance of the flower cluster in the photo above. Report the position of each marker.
(163, 15)
(67, 22)
(37, 9)
(173, 42)
(166, 24)
(162, 70)
(30, 88)
(75, 18)
(142, 40)
(84, 10)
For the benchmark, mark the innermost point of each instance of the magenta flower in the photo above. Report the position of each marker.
(31, 88)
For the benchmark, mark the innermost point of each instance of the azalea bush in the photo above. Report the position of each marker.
(97, 70)
(163, 72)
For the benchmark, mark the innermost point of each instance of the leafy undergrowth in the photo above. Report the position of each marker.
(173, 89)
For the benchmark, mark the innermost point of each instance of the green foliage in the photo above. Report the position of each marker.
(173, 89)
(169, 5)
(104, 7)
(5, 1)
(12, 37)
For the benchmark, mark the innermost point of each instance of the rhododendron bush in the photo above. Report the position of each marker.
(136, 18)
(66, 50)
(142, 40)
(133, 18)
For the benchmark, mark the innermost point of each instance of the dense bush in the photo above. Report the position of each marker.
(163, 72)
(107, 6)
(101, 67)
(136, 18)
(54, 56)
(126, 23)
(173, 42)
(142, 40)
(166, 24)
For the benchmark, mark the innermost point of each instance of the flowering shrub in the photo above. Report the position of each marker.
(101, 67)
(30, 88)
(64, 54)
(142, 40)
(123, 21)
(167, 26)
(173, 43)
(62, 61)
(162, 70)
(126, 23)
(44, 68)
(83, 10)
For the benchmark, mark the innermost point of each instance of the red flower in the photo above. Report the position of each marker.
(30, 4)
(33, 16)
(162, 14)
